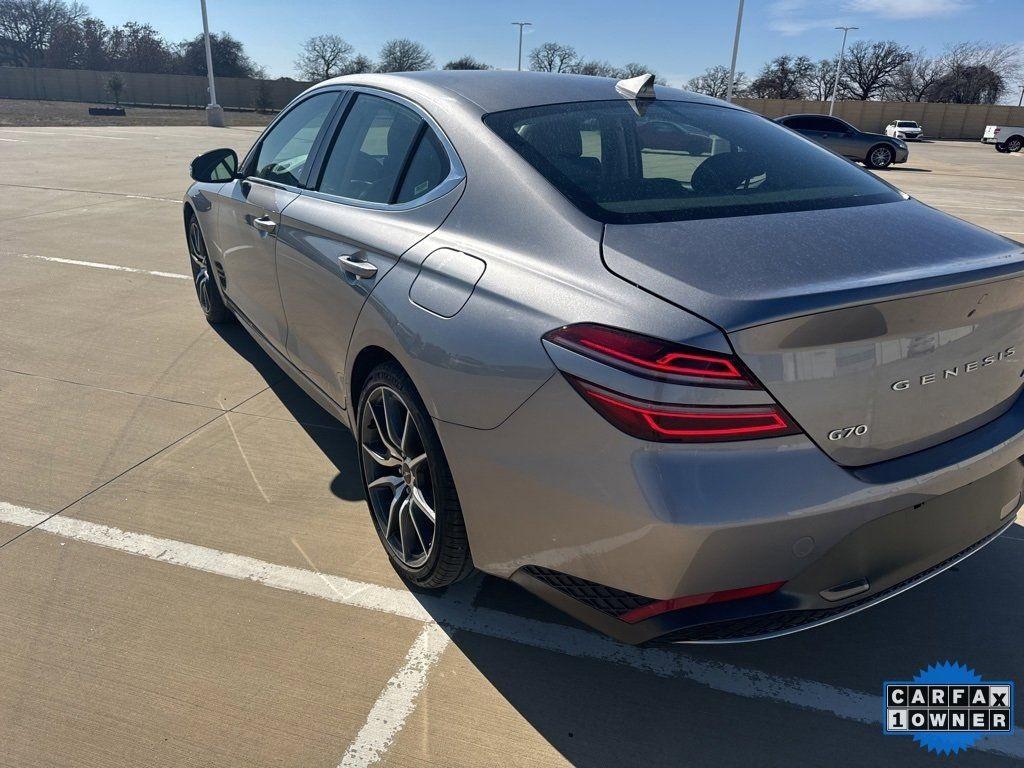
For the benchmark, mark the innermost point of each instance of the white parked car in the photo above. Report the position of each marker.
(904, 129)
(1007, 138)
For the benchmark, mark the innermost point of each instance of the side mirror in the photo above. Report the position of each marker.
(215, 165)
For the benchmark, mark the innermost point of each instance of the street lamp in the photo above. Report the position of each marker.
(1020, 101)
(839, 67)
(521, 24)
(735, 50)
(214, 111)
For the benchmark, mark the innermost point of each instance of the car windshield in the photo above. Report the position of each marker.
(680, 160)
(907, 124)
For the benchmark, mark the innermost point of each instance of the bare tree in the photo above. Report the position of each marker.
(784, 77)
(635, 69)
(915, 78)
(357, 65)
(871, 66)
(27, 26)
(714, 81)
(403, 55)
(595, 68)
(466, 62)
(820, 80)
(553, 57)
(323, 57)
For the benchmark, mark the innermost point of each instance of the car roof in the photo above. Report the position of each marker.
(498, 90)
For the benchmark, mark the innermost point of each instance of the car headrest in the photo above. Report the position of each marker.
(727, 171)
(554, 139)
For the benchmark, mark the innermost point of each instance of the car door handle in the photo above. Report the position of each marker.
(265, 224)
(361, 269)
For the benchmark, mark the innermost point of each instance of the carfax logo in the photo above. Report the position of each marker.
(948, 707)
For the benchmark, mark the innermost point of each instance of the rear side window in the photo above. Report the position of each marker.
(680, 160)
(369, 152)
(428, 167)
(285, 149)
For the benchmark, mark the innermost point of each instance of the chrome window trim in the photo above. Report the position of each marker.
(456, 172)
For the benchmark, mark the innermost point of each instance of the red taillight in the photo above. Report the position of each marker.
(663, 422)
(650, 357)
(689, 601)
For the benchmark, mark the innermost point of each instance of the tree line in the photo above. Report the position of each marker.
(56, 33)
(326, 56)
(964, 73)
(62, 33)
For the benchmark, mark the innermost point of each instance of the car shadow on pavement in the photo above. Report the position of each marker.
(330, 436)
(609, 708)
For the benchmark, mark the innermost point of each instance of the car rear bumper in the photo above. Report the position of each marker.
(564, 504)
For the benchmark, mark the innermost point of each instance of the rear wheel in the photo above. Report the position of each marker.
(207, 290)
(1001, 147)
(1014, 144)
(409, 487)
(880, 156)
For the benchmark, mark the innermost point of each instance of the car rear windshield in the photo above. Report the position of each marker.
(680, 160)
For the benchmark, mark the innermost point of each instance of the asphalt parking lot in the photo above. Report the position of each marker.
(188, 573)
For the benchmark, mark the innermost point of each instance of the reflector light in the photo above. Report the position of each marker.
(662, 422)
(689, 601)
(650, 357)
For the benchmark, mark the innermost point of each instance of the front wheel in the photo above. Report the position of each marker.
(879, 157)
(207, 290)
(409, 486)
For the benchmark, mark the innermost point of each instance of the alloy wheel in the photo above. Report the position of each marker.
(200, 269)
(881, 157)
(1014, 145)
(398, 478)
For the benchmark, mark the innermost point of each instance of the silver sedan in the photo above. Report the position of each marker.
(671, 367)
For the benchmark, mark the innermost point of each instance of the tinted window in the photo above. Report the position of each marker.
(833, 125)
(285, 150)
(428, 168)
(707, 162)
(907, 124)
(802, 123)
(369, 151)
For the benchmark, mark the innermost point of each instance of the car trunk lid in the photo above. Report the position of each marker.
(882, 329)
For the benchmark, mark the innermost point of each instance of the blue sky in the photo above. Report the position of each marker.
(676, 38)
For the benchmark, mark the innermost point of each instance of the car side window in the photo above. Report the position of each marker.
(832, 125)
(369, 152)
(428, 167)
(285, 150)
(802, 124)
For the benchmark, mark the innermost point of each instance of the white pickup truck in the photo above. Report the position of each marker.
(1007, 138)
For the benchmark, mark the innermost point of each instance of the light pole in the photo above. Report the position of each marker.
(214, 111)
(521, 24)
(1020, 101)
(839, 68)
(735, 50)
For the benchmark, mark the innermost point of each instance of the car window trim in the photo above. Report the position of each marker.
(254, 150)
(456, 170)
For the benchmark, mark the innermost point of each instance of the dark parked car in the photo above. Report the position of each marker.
(875, 150)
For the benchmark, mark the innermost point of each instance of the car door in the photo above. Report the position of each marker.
(251, 206)
(844, 137)
(386, 179)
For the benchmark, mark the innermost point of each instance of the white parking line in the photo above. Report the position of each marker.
(11, 140)
(98, 265)
(397, 700)
(458, 614)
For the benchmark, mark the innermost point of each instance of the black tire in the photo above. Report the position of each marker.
(880, 156)
(204, 279)
(1014, 143)
(1001, 147)
(448, 559)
